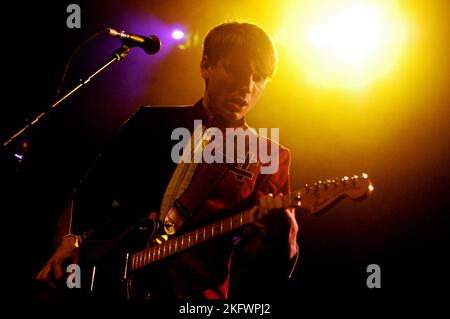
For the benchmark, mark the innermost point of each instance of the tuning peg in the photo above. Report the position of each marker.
(344, 180)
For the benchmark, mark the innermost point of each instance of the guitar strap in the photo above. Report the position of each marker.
(189, 188)
(202, 183)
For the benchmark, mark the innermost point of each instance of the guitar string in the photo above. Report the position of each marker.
(147, 253)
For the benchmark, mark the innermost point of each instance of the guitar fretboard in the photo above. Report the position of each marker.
(177, 244)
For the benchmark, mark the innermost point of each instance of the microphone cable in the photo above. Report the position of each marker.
(69, 61)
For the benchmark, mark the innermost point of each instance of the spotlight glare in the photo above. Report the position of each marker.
(178, 34)
(344, 43)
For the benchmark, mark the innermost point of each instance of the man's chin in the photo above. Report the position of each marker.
(230, 119)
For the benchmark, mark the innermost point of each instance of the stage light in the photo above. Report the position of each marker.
(351, 35)
(177, 34)
(342, 43)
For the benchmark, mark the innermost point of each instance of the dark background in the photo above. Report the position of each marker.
(401, 227)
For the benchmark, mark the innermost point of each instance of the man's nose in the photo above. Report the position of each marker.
(247, 83)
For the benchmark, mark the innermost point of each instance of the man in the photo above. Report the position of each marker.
(138, 178)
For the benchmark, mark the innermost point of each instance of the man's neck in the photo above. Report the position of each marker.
(217, 121)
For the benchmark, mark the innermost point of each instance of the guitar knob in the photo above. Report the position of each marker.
(169, 227)
(115, 204)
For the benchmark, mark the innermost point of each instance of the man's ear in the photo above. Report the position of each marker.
(204, 67)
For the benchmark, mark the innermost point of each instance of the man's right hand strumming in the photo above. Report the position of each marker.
(67, 252)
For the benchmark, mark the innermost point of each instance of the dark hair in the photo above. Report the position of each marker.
(243, 40)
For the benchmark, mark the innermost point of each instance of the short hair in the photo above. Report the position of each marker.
(244, 40)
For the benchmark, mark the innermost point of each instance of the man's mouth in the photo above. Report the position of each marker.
(239, 102)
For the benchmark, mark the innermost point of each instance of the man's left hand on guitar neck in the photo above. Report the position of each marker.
(276, 221)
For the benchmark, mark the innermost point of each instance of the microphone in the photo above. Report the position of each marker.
(150, 44)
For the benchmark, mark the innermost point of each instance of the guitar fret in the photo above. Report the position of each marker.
(189, 240)
(212, 231)
(137, 260)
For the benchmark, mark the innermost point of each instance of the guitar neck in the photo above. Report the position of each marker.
(313, 198)
(180, 243)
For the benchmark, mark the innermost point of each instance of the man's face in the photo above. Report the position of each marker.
(233, 88)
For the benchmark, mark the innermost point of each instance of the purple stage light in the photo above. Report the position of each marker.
(177, 34)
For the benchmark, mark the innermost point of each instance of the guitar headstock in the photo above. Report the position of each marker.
(322, 194)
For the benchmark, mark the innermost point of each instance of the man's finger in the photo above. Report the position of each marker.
(262, 206)
(58, 271)
(279, 201)
(44, 276)
(270, 202)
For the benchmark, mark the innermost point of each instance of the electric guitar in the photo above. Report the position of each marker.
(137, 248)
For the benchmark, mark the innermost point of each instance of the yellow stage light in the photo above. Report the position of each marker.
(344, 43)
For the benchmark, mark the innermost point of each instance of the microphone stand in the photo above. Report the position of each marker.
(117, 55)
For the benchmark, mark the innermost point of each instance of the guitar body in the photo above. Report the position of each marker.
(105, 273)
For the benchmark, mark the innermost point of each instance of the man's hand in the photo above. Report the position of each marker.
(280, 221)
(67, 251)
